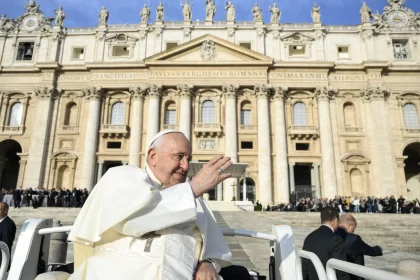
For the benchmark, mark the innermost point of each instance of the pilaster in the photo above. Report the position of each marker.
(137, 95)
(154, 94)
(186, 94)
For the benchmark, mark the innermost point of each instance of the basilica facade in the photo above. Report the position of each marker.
(313, 109)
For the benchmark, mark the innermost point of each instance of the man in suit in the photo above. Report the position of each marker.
(354, 246)
(325, 244)
(17, 197)
(7, 228)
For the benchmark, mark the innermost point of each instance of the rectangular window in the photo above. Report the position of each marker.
(343, 52)
(121, 51)
(246, 117)
(297, 50)
(247, 145)
(78, 53)
(170, 117)
(302, 146)
(113, 145)
(25, 51)
(401, 49)
(171, 45)
(245, 45)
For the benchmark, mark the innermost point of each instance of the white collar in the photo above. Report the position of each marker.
(329, 227)
(155, 182)
(3, 219)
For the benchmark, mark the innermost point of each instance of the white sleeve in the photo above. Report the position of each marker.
(175, 205)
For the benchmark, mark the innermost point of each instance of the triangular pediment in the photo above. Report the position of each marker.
(209, 49)
(297, 37)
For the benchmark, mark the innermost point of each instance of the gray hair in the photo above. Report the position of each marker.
(158, 143)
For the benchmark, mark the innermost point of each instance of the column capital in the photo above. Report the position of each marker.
(280, 93)
(374, 93)
(155, 91)
(138, 93)
(325, 93)
(185, 91)
(262, 91)
(93, 93)
(44, 93)
(230, 91)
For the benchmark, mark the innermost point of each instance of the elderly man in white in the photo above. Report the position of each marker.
(150, 224)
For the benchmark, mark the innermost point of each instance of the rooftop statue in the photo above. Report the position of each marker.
(365, 14)
(103, 16)
(160, 11)
(3, 21)
(231, 13)
(32, 7)
(257, 13)
(275, 14)
(186, 11)
(59, 17)
(316, 14)
(145, 14)
(210, 10)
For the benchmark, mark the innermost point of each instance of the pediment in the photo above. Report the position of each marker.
(297, 37)
(210, 50)
(121, 38)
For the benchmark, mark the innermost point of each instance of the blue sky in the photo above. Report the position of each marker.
(84, 13)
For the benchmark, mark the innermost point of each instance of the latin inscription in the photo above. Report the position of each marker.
(298, 76)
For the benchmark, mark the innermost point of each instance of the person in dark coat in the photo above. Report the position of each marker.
(7, 228)
(324, 243)
(17, 197)
(355, 248)
(393, 204)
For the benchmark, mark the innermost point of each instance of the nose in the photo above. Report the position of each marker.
(185, 163)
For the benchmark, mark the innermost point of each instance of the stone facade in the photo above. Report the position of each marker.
(319, 110)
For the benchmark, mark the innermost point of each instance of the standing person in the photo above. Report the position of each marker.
(7, 228)
(393, 205)
(324, 243)
(17, 197)
(354, 246)
(356, 203)
(400, 201)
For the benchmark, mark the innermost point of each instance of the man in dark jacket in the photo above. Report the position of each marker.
(7, 228)
(355, 248)
(17, 197)
(325, 244)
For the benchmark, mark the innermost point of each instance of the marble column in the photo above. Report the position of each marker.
(292, 177)
(153, 112)
(324, 95)
(282, 179)
(137, 94)
(21, 175)
(220, 192)
(100, 170)
(316, 179)
(34, 177)
(264, 150)
(93, 96)
(231, 136)
(185, 92)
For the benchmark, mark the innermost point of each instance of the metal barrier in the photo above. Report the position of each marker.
(315, 261)
(5, 259)
(359, 270)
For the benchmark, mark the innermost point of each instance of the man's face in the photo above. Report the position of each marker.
(170, 161)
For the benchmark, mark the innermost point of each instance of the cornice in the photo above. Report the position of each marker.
(305, 64)
(115, 65)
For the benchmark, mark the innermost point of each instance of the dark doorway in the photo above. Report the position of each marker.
(111, 164)
(412, 170)
(9, 176)
(250, 190)
(303, 182)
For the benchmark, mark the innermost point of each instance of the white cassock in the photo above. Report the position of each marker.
(126, 204)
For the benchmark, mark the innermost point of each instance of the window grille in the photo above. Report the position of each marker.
(410, 116)
(118, 113)
(208, 113)
(16, 115)
(299, 114)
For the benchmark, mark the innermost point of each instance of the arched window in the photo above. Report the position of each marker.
(299, 114)
(70, 117)
(118, 113)
(410, 116)
(246, 113)
(349, 115)
(170, 113)
(16, 114)
(208, 112)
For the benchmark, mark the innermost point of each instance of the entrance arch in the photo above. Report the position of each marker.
(250, 189)
(9, 164)
(412, 170)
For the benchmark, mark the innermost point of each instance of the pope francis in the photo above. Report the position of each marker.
(151, 224)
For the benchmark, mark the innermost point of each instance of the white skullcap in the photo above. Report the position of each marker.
(163, 132)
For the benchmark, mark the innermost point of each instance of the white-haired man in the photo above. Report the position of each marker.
(150, 224)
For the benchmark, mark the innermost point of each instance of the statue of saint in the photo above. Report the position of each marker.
(160, 12)
(210, 10)
(3, 21)
(103, 16)
(231, 13)
(59, 17)
(257, 13)
(275, 14)
(316, 14)
(145, 14)
(365, 13)
(186, 11)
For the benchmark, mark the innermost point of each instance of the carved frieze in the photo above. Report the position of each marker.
(208, 145)
(208, 50)
(374, 93)
(93, 93)
(396, 16)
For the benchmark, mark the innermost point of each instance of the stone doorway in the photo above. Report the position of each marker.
(250, 190)
(412, 170)
(9, 164)
(303, 180)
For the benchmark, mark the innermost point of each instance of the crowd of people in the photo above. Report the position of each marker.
(349, 205)
(44, 198)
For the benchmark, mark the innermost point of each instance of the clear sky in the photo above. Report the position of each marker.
(84, 13)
